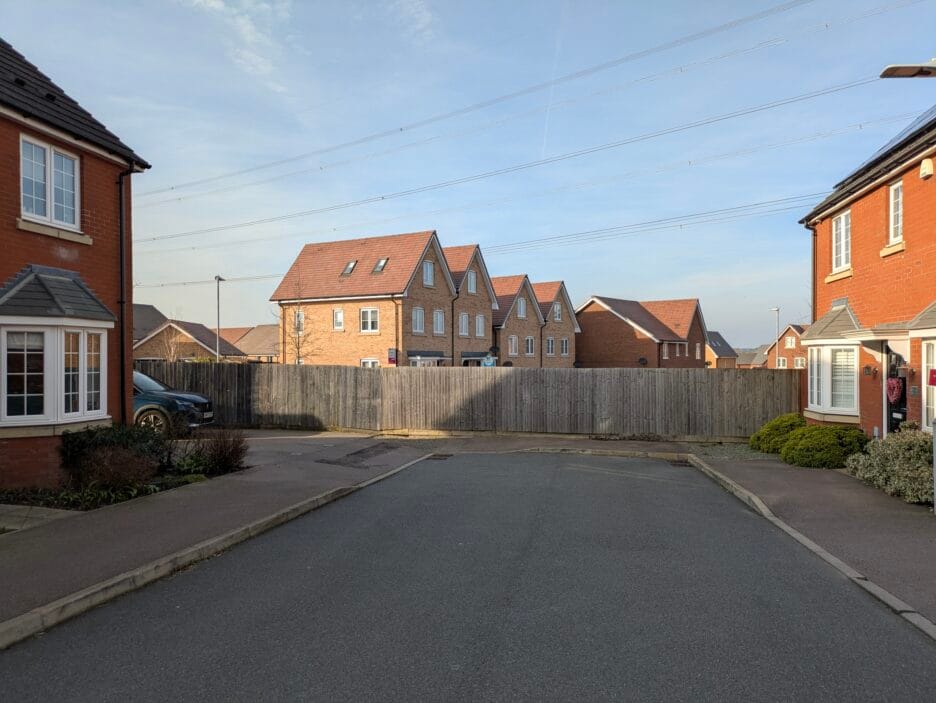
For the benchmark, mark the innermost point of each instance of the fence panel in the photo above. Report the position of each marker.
(705, 403)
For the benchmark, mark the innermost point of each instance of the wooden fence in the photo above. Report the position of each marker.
(702, 403)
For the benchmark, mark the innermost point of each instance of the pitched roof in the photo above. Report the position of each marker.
(318, 271)
(719, 346)
(459, 258)
(918, 135)
(753, 357)
(206, 337)
(675, 314)
(506, 289)
(262, 340)
(146, 318)
(546, 293)
(232, 334)
(926, 318)
(28, 91)
(834, 324)
(44, 291)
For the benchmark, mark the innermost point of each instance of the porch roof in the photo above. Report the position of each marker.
(835, 324)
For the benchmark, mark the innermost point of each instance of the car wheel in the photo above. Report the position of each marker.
(154, 420)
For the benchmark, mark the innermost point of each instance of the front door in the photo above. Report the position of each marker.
(895, 390)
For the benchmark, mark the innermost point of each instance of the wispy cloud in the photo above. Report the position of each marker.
(416, 18)
(253, 26)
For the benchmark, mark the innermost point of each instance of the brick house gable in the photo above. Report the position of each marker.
(508, 324)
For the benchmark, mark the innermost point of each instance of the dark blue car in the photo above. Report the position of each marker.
(157, 406)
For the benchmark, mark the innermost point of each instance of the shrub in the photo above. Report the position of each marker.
(773, 435)
(211, 452)
(900, 465)
(822, 446)
(102, 455)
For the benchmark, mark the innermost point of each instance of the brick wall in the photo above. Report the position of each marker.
(172, 345)
(790, 355)
(97, 263)
(521, 328)
(429, 298)
(474, 304)
(559, 330)
(686, 358)
(606, 341)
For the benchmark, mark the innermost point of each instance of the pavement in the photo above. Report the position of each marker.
(23, 517)
(496, 577)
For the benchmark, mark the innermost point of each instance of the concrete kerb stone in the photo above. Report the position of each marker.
(46, 616)
(754, 501)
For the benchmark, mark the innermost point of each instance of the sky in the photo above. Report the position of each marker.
(253, 109)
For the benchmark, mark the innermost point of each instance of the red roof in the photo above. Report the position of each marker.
(458, 259)
(505, 290)
(232, 334)
(318, 271)
(675, 314)
(546, 294)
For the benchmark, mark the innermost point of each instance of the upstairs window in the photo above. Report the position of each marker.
(428, 273)
(338, 319)
(479, 326)
(464, 324)
(419, 321)
(665, 350)
(698, 350)
(472, 282)
(513, 346)
(370, 320)
(841, 242)
(528, 346)
(790, 342)
(49, 184)
(349, 268)
(799, 362)
(550, 346)
(380, 265)
(781, 362)
(564, 346)
(557, 312)
(896, 212)
(438, 322)
(521, 308)
(299, 321)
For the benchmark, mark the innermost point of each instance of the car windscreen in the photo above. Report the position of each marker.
(147, 384)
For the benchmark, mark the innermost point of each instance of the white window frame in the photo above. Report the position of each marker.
(550, 346)
(370, 363)
(666, 350)
(49, 218)
(799, 362)
(677, 350)
(698, 351)
(438, 322)
(373, 322)
(513, 345)
(419, 321)
(464, 325)
(789, 342)
(428, 274)
(820, 389)
(928, 396)
(338, 319)
(781, 362)
(529, 346)
(299, 321)
(895, 211)
(557, 311)
(472, 282)
(564, 346)
(54, 375)
(480, 326)
(841, 242)
(521, 308)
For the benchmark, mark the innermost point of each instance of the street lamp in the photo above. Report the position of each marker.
(218, 280)
(910, 70)
(777, 342)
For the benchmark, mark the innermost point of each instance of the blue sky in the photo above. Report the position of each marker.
(203, 88)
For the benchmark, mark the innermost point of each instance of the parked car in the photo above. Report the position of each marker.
(158, 406)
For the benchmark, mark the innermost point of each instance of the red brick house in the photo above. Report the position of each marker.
(557, 335)
(65, 276)
(787, 351)
(518, 322)
(619, 333)
(873, 341)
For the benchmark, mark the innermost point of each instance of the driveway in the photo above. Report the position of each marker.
(496, 577)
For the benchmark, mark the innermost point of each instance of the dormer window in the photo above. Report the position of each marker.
(349, 268)
(380, 265)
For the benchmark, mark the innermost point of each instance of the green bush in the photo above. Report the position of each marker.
(210, 452)
(901, 465)
(822, 446)
(773, 435)
(140, 450)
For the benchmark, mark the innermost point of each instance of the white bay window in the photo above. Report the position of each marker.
(929, 397)
(833, 379)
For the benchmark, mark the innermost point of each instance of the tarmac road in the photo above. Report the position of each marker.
(495, 577)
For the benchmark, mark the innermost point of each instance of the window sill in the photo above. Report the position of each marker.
(894, 248)
(51, 231)
(839, 275)
(370, 333)
(50, 429)
(841, 418)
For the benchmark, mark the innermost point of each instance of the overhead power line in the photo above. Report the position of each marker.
(578, 185)
(575, 75)
(762, 207)
(519, 167)
(682, 69)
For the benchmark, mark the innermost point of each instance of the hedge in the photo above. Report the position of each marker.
(773, 435)
(822, 446)
(901, 465)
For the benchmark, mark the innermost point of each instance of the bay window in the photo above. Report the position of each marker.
(52, 374)
(929, 398)
(833, 379)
